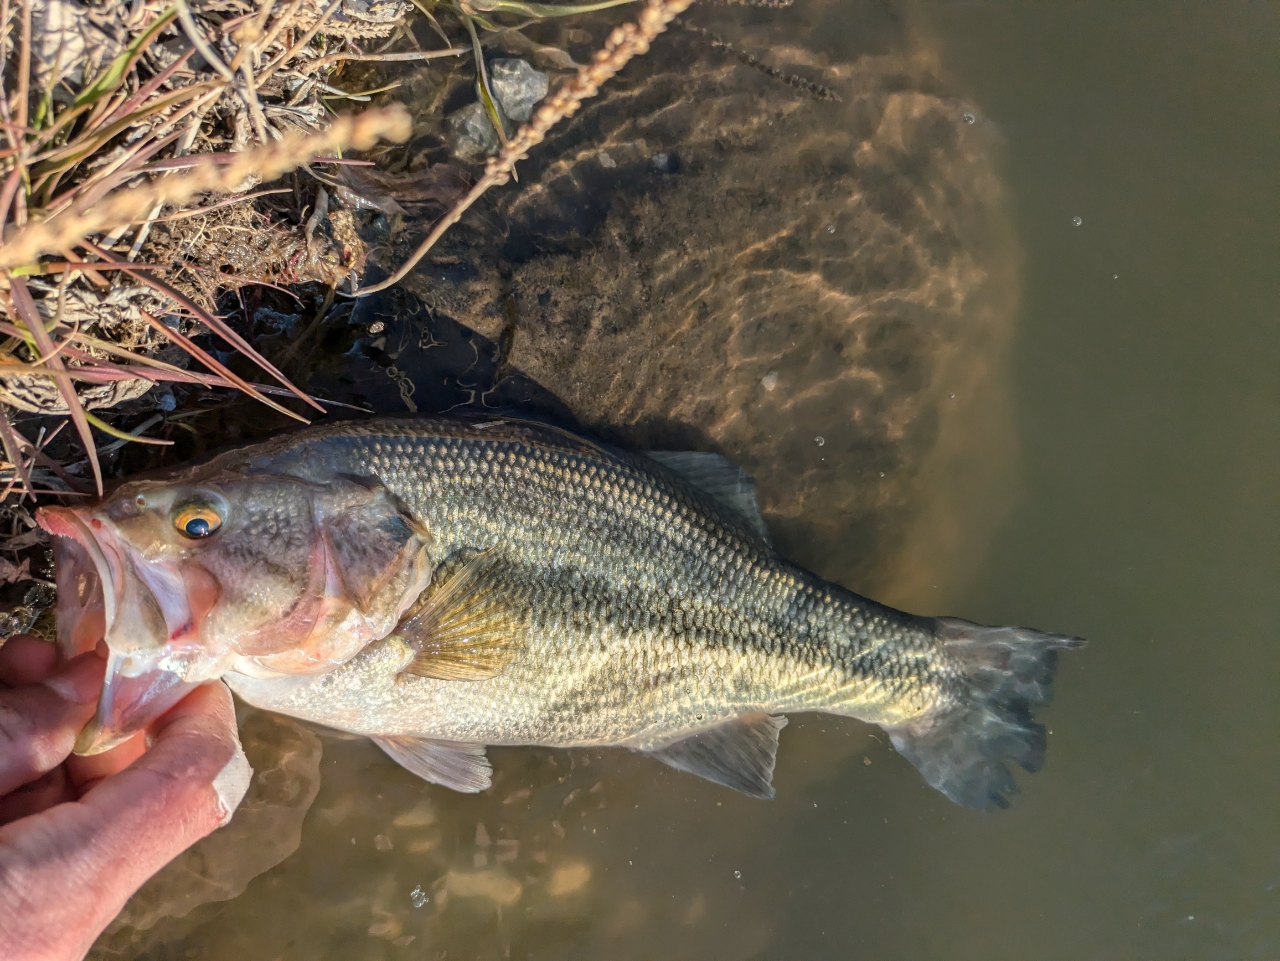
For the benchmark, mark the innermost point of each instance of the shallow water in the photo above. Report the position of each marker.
(1108, 469)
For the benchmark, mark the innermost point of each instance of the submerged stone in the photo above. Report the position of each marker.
(471, 135)
(517, 87)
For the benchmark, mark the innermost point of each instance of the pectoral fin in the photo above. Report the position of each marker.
(465, 629)
(739, 754)
(462, 767)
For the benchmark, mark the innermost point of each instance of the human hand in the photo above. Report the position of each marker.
(79, 835)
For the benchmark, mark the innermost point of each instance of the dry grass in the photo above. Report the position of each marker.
(110, 116)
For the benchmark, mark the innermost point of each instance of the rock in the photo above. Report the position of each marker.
(568, 878)
(492, 884)
(517, 87)
(417, 817)
(471, 135)
(664, 163)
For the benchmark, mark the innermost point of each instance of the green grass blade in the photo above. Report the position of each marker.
(111, 78)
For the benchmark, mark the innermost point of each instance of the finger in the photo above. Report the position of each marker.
(40, 795)
(130, 825)
(25, 659)
(39, 722)
(173, 788)
(85, 771)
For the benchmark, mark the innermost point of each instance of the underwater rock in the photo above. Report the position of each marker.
(568, 878)
(493, 884)
(517, 87)
(471, 135)
(664, 163)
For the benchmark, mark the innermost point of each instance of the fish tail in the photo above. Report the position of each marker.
(963, 750)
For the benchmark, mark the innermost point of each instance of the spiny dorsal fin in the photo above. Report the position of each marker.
(739, 754)
(721, 478)
(453, 764)
(462, 631)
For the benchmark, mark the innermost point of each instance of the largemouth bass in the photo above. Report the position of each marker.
(441, 584)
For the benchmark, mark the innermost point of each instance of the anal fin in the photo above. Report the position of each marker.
(453, 764)
(739, 754)
(463, 630)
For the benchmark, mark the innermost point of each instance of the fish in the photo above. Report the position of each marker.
(442, 584)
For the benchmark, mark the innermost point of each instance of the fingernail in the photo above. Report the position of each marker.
(80, 681)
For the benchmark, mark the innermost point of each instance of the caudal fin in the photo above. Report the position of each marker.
(964, 750)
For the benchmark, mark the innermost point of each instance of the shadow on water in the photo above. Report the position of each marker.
(394, 356)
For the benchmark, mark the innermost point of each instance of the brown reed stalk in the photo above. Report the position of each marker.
(266, 163)
(625, 42)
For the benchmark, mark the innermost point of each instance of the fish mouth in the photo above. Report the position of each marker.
(142, 612)
(85, 611)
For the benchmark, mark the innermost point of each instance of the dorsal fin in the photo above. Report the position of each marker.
(462, 631)
(739, 754)
(453, 764)
(720, 477)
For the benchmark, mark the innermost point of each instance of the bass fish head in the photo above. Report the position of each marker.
(264, 575)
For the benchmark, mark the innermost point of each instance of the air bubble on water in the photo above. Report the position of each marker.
(418, 896)
(819, 440)
(831, 228)
(969, 118)
(1077, 221)
(737, 874)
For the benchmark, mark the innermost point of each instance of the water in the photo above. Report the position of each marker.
(1106, 468)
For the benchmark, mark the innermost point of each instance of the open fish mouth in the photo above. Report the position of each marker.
(142, 612)
(85, 610)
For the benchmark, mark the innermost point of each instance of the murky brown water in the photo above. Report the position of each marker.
(1106, 468)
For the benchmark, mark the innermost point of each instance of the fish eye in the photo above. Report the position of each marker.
(197, 520)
